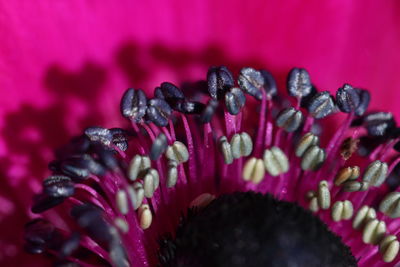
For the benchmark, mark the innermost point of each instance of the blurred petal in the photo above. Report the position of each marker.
(64, 64)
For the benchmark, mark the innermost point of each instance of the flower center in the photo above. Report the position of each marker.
(253, 229)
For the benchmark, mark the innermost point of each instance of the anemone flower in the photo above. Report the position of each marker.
(206, 176)
(57, 78)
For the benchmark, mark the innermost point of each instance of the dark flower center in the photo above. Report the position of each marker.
(252, 229)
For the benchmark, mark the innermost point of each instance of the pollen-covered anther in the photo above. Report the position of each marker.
(324, 195)
(241, 145)
(313, 205)
(342, 210)
(299, 83)
(172, 174)
(136, 194)
(251, 81)
(58, 186)
(145, 216)
(390, 205)
(289, 119)
(99, 134)
(389, 248)
(202, 201)
(364, 215)
(376, 172)
(177, 152)
(158, 147)
(234, 100)
(138, 165)
(121, 224)
(306, 142)
(321, 105)
(348, 147)
(121, 199)
(374, 231)
(253, 170)
(133, 104)
(225, 149)
(275, 161)
(355, 186)
(313, 158)
(347, 173)
(151, 182)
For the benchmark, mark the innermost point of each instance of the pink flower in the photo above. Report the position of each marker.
(64, 66)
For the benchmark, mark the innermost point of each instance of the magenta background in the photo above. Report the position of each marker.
(65, 64)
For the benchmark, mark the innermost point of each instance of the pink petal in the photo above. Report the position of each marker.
(64, 65)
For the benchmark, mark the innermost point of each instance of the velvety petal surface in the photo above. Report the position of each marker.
(65, 64)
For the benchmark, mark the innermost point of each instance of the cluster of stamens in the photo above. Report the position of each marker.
(125, 188)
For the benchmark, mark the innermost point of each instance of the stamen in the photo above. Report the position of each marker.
(133, 104)
(241, 145)
(137, 165)
(177, 152)
(158, 147)
(321, 105)
(234, 100)
(226, 150)
(324, 195)
(253, 170)
(342, 210)
(150, 182)
(363, 215)
(275, 161)
(375, 174)
(136, 194)
(374, 231)
(145, 216)
(347, 173)
(122, 201)
(251, 81)
(202, 201)
(289, 119)
(122, 225)
(313, 158)
(389, 248)
(390, 205)
(172, 176)
(308, 140)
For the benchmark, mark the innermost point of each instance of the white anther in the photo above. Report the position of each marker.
(177, 152)
(376, 172)
(241, 145)
(225, 149)
(346, 174)
(122, 201)
(363, 215)
(305, 142)
(390, 205)
(172, 175)
(145, 216)
(137, 165)
(389, 248)
(254, 170)
(313, 206)
(354, 186)
(150, 182)
(342, 210)
(202, 201)
(275, 161)
(324, 196)
(374, 231)
(289, 119)
(136, 194)
(121, 224)
(312, 158)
